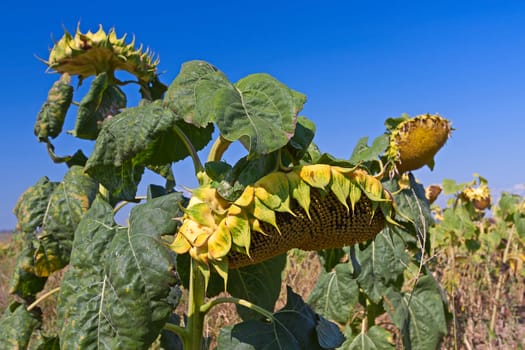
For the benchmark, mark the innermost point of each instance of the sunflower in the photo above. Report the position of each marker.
(311, 207)
(89, 54)
(415, 141)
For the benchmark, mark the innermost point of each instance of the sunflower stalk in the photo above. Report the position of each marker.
(195, 322)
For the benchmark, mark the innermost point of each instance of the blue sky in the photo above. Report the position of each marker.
(358, 62)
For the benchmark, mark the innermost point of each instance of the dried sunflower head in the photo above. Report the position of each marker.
(478, 196)
(415, 141)
(432, 192)
(88, 54)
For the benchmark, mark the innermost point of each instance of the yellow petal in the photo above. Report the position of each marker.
(180, 244)
(275, 183)
(202, 214)
(240, 231)
(271, 200)
(317, 175)
(220, 242)
(221, 266)
(234, 210)
(192, 230)
(263, 213)
(246, 197)
(354, 195)
(300, 191)
(340, 187)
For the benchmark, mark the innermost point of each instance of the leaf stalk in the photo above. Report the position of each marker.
(191, 149)
(42, 298)
(218, 148)
(207, 307)
(180, 331)
(124, 203)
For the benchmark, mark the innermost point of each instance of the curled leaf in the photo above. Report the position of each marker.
(51, 117)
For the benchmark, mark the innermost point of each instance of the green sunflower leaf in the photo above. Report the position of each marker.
(17, 325)
(138, 137)
(103, 101)
(51, 117)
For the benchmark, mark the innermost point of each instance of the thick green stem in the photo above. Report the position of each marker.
(180, 331)
(191, 336)
(195, 322)
(217, 150)
(189, 146)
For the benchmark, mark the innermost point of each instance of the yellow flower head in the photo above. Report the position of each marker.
(311, 207)
(415, 141)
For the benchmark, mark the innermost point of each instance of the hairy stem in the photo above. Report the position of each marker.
(43, 297)
(218, 148)
(280, 165)
(124, 203)
(207, 307)
(189, 146)
(54, 157)
(180, 331)
(195, 322)
(382, 170)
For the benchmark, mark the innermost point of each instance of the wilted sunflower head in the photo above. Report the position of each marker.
(415, 141)
(432, 192)
(311, 207)
(478, 196)
(88, 54)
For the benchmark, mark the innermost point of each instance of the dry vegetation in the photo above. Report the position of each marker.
(484, 319)
(7, 262)
(471, 301)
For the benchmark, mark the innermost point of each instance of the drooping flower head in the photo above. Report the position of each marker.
(311, 207)
(479, 196)
(89, 54)
(415, 141)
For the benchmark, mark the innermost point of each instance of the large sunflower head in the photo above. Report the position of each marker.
(88, 54)
(311, 207)
(415, 141)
